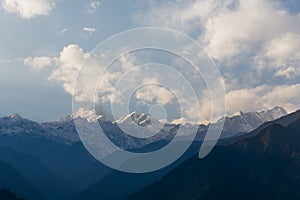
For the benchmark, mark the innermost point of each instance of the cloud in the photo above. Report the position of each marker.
(29, 8)
(247, 99)
(234, 25)
(264, 97)
(38, 63)
(182, 121)
(67, 66)
(90, 30)
(62, 31)
(93, 6)
(155, 86)
(6, 61)
(289, 73)
(155, 94)
(281, 54)
(69, 61)
(242, 29)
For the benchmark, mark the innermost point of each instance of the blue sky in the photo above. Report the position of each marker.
(255, 44)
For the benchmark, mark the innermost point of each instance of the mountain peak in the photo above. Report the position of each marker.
(15, 117)
(248, 121)
(91, 114)
(142, 119)
(273, 114)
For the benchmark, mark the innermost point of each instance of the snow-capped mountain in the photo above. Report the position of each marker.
(137, 129)
(15, 125)
(246, 122)
(90, 114)
(272, 114)
(139, 125)
(139, 119)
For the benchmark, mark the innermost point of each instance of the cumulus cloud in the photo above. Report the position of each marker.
(264, 97)
(247, 99)
(29, 8)
(262, 35)
(234, 25)
(67, 65)
(93, 6)
(281, 54)
(242, 29)
(90, 30)
(289, 73)
(69, 61)
(38, 63)
(154, 93)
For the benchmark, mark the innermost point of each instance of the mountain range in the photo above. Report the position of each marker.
(53, 163)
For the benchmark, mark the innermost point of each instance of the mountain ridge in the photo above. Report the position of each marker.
(264, 165)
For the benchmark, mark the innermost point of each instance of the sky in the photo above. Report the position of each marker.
(43, 44)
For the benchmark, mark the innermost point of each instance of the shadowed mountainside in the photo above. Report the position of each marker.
(263, 166)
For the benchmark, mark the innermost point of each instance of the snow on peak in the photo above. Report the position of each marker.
(90, 114)
(140, 119)
(139, 125)
(15, 116)
(273, 114)
(246, 122)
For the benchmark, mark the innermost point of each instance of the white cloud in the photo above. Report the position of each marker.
(71, 58)
(38, 63)
(68, 64)
(93, 6)
(248, 99)
(264, 97)
(227, 28)
(283, 48)
(182, 121)
(6, 61)
(90, 30)
(62, 31)
(289, 73)
(29, 8)
(153, 93)
(281, 54)
(69, 61)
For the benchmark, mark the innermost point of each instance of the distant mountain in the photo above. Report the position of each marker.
(263, 166)
(91, 114)
(139, 119)
(64, 131)
(60, 132)
(246, 122)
